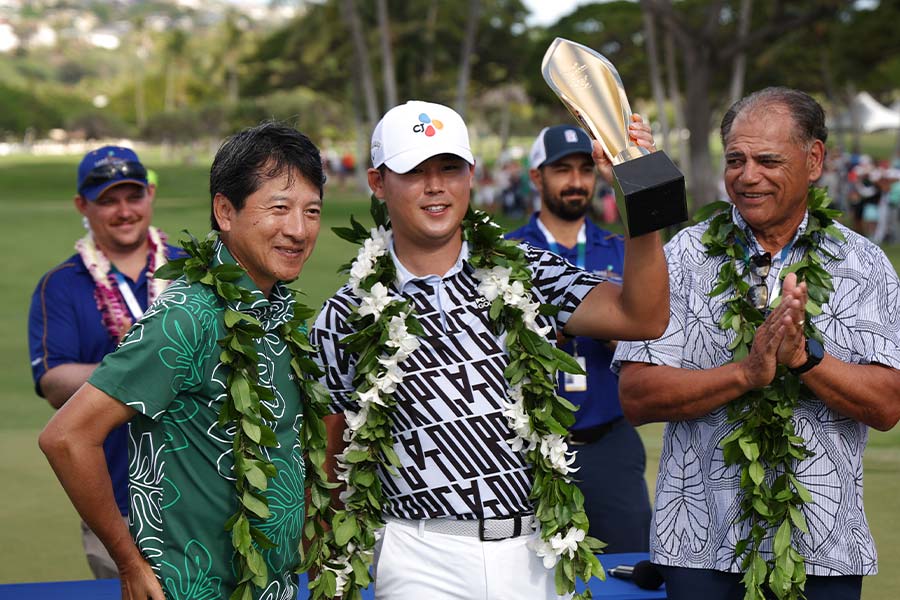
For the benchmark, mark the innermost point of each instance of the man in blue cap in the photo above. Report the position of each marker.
(82, 307)
(610, 456)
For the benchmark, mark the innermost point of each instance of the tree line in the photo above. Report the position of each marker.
(339, 64)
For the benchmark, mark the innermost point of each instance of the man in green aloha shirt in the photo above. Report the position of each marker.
(168, 379)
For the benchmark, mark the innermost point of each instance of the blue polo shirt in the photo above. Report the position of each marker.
(604, 255)
(65, 326)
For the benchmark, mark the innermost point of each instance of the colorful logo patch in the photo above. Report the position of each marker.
(427, 125)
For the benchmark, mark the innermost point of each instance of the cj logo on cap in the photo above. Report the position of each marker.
(571, 136)
(427, 125)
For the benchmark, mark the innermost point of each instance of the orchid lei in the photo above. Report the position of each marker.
(116, 317)
(387, 333)
(245, 412)
(764, 443)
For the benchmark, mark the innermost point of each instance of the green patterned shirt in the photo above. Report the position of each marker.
(181, 485)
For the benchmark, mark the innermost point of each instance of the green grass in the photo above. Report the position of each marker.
(39, 225)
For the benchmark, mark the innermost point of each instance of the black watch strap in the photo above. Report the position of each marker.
(815, 352)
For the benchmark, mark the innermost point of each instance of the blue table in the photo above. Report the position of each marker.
(108, 589)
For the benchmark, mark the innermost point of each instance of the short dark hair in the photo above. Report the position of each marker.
(803, 108)
(263, 152)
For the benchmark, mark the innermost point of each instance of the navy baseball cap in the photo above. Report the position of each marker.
(106, 167)
(554, 143)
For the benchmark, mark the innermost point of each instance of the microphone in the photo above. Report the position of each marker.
(643, 574)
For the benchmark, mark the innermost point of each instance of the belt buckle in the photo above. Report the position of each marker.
(517, 529)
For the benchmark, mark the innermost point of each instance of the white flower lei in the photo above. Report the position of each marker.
(503, 280)
(116, 317)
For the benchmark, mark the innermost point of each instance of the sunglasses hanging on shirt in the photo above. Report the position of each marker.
(760, 265)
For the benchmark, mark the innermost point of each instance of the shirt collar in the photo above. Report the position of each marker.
(593, 233)
(141, 278)
(756, 247)
(404, 276)
(271, 312)
(597, 235)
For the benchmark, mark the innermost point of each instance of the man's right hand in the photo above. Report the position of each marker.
(139, 582)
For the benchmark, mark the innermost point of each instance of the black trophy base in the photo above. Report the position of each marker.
(653, 192)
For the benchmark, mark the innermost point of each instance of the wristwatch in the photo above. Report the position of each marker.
(814, 355)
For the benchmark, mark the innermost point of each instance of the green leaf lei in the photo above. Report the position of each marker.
(764, 443)
(341, 554)
(245, 410)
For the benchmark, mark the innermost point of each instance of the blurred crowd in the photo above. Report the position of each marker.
(865, 189)
(868, 191)
(501, 186)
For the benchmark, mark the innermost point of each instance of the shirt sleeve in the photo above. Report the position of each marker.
(559, 282)
(669, 348)
(52, 325)
(339, 366)
(163, 354)
(876, 332)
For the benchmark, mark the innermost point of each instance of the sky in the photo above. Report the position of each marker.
(547, 12)
(543, 12)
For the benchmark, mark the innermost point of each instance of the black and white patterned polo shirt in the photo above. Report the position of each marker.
(449, 429)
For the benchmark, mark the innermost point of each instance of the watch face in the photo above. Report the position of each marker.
(815, 352)
(815, 349)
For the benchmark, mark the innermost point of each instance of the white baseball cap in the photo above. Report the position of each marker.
(411, 133)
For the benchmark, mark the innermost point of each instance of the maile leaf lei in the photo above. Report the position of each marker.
(244, 408)
(764, 443)
(386, 332)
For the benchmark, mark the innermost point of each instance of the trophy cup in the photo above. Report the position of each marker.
(649, 187)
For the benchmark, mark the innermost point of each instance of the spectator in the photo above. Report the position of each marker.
(83, 307)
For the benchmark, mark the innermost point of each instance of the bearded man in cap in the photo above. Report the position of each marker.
(83, 307)
(610, 456)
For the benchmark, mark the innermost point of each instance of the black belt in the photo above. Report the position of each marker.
(589, 435)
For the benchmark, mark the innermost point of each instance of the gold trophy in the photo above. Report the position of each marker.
(649, 187)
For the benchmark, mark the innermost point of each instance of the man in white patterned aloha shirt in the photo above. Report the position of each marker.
(774, 149)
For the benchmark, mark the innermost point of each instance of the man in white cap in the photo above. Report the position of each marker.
(460, 522)
(611, 457)
(83, 307)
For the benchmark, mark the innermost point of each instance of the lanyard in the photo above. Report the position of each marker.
(581, 243)
(136, 311)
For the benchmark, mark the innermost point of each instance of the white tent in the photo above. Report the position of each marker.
(868, 114)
